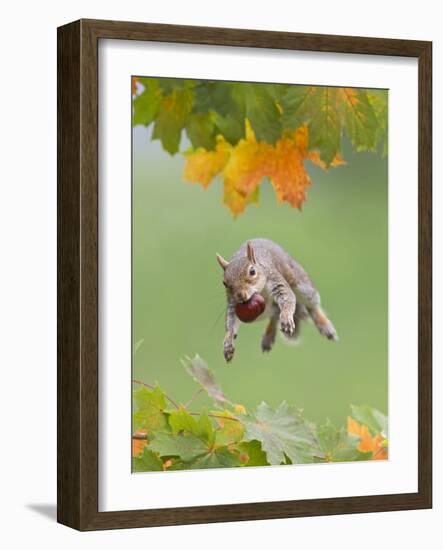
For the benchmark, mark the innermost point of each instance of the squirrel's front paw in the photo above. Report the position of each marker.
(228, 350)
(287, 324)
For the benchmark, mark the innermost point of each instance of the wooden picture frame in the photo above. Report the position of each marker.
(78, 274)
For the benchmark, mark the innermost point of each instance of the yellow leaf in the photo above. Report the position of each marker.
(246, 165)
(240, 409)
(202, 166)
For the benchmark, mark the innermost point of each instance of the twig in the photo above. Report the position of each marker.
(150, 386)
(198, 392)
(216, 416)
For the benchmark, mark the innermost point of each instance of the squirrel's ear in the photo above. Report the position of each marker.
(223, 263)
(250, 252)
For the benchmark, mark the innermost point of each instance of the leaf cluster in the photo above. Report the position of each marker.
(169, 436)
(246, 132)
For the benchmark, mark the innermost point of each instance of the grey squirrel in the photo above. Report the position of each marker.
(262, 266)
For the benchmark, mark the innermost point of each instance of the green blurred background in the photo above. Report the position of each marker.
(178, 298)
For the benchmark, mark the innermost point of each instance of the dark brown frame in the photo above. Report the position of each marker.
(77, 457)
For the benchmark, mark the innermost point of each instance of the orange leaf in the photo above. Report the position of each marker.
(134, 84)
(138, 444)
(368, 443)
(288, 174)
(246, 164)
(236, 200)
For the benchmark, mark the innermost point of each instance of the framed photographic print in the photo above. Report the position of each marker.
(244, 275)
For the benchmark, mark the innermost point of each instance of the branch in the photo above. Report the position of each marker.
(151, 387)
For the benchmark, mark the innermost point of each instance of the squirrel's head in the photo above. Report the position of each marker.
(242, 276)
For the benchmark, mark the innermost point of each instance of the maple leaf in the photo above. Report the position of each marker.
(288, 174)
(236, 200)
(230, 430)
(358, 118)
(202, 166)
(258, 103)
(339, 445)
(146, 104)
(193, 451)
(373, 418)
(245, 131)
(249, 161)
(369, 443)
(245, 165)
(172, 116)
(147, 462)
(315, 106)
(251, 453)
(200, 130)
(379, 103)
(182, 421)
(138, 444)
(282, 433)
(150, 407)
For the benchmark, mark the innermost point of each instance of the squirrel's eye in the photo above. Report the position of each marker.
(252, 272)
(225, 284)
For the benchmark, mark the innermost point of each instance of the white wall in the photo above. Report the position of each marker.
(28, 269)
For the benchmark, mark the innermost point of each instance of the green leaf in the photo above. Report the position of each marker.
(359, 120)
(325, 127)
(329, 112)
(200, 130)
(214, 96)
(231, 126)
(254, 453)
(182, 421)
(379, 102)
(216, 100)
(376, 421)
(169, 85)
(146, 104)
(172, 117)
(259, 105)
(229, 430)
(193, 451)
(186, 446)
(282, 432)
(198, 369)
(219, 458)
(147, 462)
(336, 445)
(149, 412)
(315, 106)
(298, 104)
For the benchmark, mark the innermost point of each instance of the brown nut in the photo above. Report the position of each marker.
(250, 310)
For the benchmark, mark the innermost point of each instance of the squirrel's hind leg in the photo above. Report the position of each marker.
(309, 296)
(323, 324)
